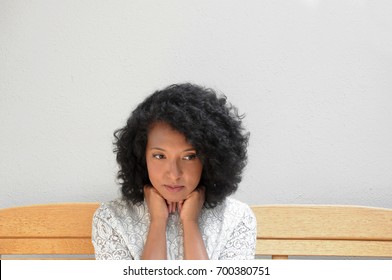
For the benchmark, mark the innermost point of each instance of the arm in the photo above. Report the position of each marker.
(194, 248)
(155, 246)
(108, 243)
(241, 244)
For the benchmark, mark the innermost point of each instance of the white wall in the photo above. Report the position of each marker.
(314, 78)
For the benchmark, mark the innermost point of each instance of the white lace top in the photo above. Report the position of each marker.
(120, 230)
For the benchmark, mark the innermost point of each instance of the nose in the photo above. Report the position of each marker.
(175, 170)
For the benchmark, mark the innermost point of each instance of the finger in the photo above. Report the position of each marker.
(180, 206)
(168, 206)
(171, 207)
(174, 207)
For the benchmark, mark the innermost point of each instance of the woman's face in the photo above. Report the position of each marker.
(173, 166)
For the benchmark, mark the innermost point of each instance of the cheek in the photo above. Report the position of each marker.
(153, 171)
(196, 173)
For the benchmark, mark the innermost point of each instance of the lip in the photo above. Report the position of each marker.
(174, 188)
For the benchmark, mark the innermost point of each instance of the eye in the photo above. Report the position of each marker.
(190, 157)
(158, 156)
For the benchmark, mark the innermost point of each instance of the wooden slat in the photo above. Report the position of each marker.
(42, 246)
(50, 220)
(323, 230)
(282, 230)
(50, 229)
(324, 248)
(323, 222)
(47, 257)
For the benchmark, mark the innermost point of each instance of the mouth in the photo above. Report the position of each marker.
(174, 188)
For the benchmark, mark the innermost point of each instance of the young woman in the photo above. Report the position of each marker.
(181, 154)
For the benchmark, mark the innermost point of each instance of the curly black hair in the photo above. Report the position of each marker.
(209, 123)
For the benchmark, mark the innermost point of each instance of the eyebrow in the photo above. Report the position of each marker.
(161, 149)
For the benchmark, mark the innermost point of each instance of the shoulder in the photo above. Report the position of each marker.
(119, 210)
(233, 210)
(241, 215)
(237, 208)
(115, 234)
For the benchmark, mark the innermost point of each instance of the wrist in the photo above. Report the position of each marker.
(190, 224)
(158, 223)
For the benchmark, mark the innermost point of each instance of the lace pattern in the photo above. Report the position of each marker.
(120, 230)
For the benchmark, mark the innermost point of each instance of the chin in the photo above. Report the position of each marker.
(174, 198)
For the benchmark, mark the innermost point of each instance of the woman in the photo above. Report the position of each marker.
(181, 154)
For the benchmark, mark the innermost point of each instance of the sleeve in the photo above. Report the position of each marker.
(108, 244)
(241, 244)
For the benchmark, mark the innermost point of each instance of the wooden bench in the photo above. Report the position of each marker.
(317, 230)
(54, 231)
(64, 231)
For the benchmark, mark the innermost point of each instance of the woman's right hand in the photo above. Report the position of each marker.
(157, 206)
(155, 246)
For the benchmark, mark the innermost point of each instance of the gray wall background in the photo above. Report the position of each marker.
(313, 77)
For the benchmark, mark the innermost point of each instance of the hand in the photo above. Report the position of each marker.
(155, 246)
(157, 206)
(190, 208)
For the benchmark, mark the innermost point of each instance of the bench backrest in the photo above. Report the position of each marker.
(317, 230)
(48, 229)
(64, 230)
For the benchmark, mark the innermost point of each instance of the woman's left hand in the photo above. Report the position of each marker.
(190, 208)
(194, 248)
